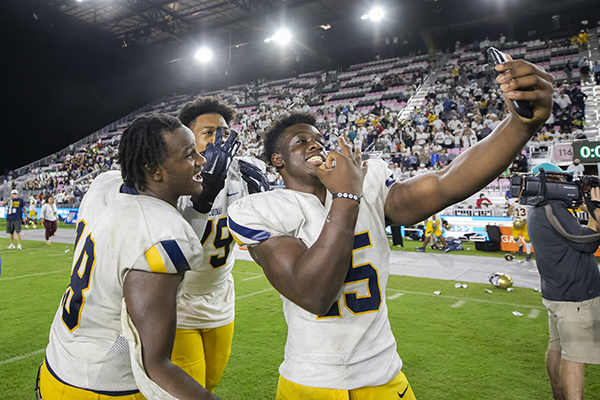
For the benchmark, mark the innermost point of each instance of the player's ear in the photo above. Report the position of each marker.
(277, 160)
(153, 172)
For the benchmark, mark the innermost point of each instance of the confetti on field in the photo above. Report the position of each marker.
(518, 314)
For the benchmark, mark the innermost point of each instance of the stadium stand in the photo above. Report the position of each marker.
(417, 112)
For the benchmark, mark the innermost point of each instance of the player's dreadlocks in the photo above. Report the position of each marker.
(143, 147)
(271, 137)
(205, 105)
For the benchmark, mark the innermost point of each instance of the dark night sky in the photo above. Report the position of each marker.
(57, 88)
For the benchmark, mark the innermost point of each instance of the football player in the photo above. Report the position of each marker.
(321, 241)
(433, 226)
(205, 312)
(518, 212)
(31, 218)
(113, 333)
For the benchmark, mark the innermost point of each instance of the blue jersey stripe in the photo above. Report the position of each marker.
(102, 392)
(176, 255)
(252, 234)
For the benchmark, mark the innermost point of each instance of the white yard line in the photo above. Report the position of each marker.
(33, 353)
(467, 299)
(244, 272)
(38, 274)
(11, 360)
(253, 294)
(395, 296)
(252, 277)
(458, 304)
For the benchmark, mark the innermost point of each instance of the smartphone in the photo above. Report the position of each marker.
(522, 107)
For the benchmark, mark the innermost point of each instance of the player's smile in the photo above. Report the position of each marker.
(316, 159)
(183, 163)
(198, 177)
(305, 150)
(311, 146)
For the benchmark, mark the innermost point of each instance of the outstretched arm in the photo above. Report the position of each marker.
(152, 306)
(413, 200)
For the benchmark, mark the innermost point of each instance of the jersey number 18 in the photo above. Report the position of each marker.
(74, 297)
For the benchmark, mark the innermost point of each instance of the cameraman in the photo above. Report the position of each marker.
(570, 289)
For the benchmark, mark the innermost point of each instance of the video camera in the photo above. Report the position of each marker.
(537, 190)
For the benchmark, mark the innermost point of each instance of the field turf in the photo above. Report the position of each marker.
(461, 344)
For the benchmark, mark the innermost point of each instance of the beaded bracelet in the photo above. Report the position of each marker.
(341, 195)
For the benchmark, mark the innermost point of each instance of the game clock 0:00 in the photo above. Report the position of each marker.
(586, 152)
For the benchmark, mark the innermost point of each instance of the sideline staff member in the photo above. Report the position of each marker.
(570, 288)
(14, 218)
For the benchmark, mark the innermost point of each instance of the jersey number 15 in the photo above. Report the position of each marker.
(359, 273)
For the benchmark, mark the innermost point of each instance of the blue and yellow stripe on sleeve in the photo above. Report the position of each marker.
(167, 258)
(246, 236)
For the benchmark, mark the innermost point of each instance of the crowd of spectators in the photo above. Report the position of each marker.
(68, 179)
(463, 105)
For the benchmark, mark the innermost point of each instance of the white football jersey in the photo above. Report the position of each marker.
(208, 294)
(519, 211)
(116, 232)
(352, 345)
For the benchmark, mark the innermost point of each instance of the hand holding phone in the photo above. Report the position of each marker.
(522, 107)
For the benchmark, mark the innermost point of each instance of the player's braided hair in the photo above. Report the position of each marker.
(143, 147)
(271, 136)
(205, 105)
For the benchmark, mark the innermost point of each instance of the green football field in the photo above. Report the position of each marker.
(461, 344)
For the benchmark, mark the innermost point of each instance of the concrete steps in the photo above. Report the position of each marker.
(592, 104)
(416, 101)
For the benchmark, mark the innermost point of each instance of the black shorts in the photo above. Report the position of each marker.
(13, 226)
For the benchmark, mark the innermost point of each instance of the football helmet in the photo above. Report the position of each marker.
(518, 224)
(500, 280)
(509, 257)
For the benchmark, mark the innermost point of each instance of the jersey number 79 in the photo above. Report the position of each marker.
(222, 240)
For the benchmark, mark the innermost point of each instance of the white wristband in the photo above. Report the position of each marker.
(341, 195)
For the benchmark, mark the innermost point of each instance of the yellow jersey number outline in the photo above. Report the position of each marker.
(219, 242)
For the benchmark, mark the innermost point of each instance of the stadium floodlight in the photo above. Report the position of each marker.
(282, 36)
(366, 16)
(376, 14)
(79, 1)
(204, 54)
(267, 40)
